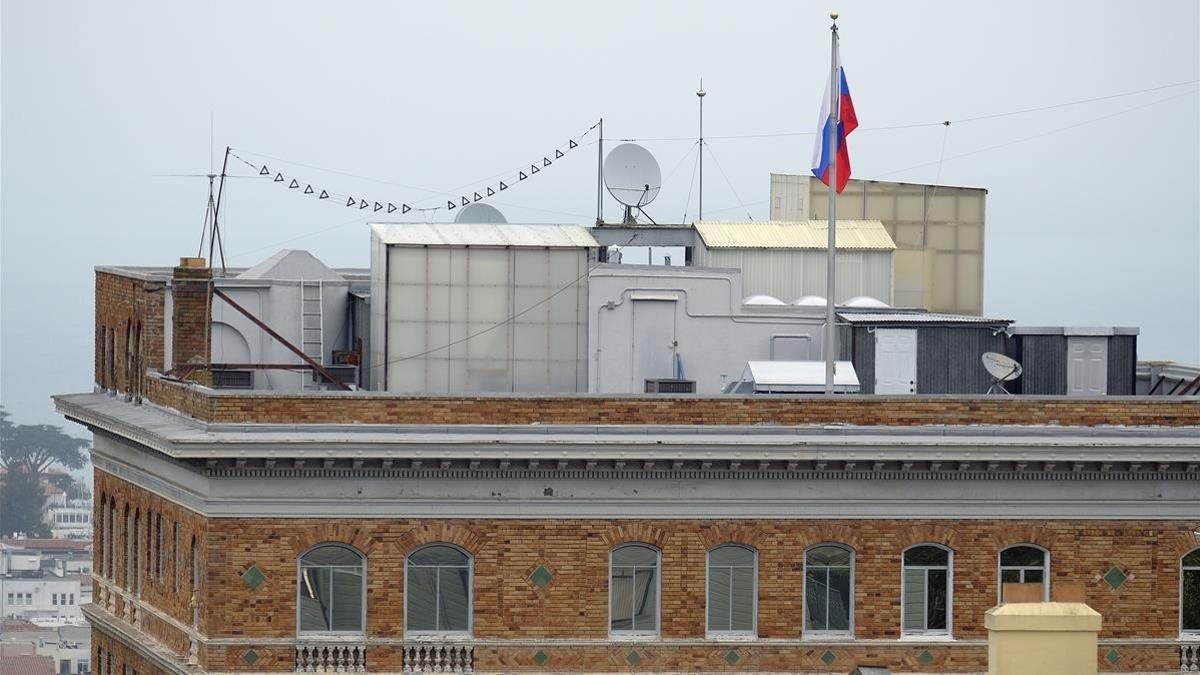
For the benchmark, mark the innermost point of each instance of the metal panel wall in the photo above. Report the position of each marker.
(1122, 365)
(948, 358)
(790, 274)
(1044, 361)
(862, 346)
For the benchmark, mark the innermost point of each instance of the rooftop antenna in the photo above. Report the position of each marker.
(700, 95)
(212, 224)
(600, 177)
(633, 178)
(1002, 369)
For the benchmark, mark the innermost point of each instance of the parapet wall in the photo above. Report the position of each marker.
(520, 409)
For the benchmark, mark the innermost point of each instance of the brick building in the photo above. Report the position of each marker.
(382, 533)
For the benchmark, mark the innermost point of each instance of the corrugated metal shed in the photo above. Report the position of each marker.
(917, 318)
(484, 234)
(852, 235)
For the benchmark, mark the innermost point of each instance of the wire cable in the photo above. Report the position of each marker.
(729, 182)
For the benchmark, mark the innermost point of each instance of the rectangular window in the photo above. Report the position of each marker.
(1190, 611)
(925, 601)
(72, 602)
(175, 555)
(64, 666)
(54, 598)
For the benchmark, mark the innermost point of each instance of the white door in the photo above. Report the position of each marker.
(653, 341)
(896, 361)
(1087, 366)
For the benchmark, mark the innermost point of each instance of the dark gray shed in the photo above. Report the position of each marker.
(1090, 361)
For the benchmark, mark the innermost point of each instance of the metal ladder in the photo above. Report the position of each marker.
(312, 328)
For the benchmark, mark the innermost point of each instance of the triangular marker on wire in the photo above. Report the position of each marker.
(465, 201)
(558, 154)
(265, 171)
(490, 191)
(546, 162)
(324, 195)
(362, 205)
(378, 207)
(533, 168)
(351, 202)
(294, 184)
(477, 196)
(450, 206)
(572, 145)
(405, 208)
(308, 189)
(520, 176)
(391, 207)
(278, 178)
(505, 187)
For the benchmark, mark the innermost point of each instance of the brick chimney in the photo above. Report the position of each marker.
(191, 318)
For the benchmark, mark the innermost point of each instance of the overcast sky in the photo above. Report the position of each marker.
(1093, 213)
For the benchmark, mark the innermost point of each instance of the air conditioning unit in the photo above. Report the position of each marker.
(670, 386)
(345, 374)
(233, 379)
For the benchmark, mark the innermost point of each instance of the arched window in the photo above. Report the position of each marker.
(1025, 564)
(437, 590)
(926, 591)
(633, 589)
(829, 589)
(1189, 593)
(732, 589)
(332, 590)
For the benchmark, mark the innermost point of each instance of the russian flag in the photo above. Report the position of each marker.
(847, 122)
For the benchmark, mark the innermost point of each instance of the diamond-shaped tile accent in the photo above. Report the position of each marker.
(541, 658)
(541, 577)
(1115, 577)
(828, 657)
(925, 657)
(1113, 656)
(633, 658)
(253, 577)
(732, 657)
(250, 657)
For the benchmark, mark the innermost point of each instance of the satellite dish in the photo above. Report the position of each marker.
(1002, 369)
(480, 213)
(633, 177)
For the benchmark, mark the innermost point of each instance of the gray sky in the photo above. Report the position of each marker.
(1093, 213)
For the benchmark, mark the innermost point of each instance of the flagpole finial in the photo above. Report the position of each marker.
(833, 15)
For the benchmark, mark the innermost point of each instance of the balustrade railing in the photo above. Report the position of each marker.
(438, 657)
(332, 656)
(1189, 657)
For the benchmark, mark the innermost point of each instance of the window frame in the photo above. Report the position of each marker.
(470, 593)
(299, 589)
(1023, 568)
(633, 633)
(1186, 632)
(825, 634)
(948, 631)
(708, 630)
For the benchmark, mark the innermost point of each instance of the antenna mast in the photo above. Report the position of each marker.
(700, 95)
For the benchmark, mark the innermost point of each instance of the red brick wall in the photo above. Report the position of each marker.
(365, 408)
(126, 308)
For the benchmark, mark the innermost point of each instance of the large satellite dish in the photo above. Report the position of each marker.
(633, 177)
(480, 213)
(1002, 369)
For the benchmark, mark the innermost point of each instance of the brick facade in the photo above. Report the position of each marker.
(574, 605)
(129, 330)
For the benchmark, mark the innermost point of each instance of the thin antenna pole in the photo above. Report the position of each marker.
(600, 177)
(700, 94)
(216, 236)
(831, 141)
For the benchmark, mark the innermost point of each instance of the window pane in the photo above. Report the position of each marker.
(731, 556)
(1191, 599)
(1010, 576)
(347, 598)
(620, 608)
(718, 598)
(422, 598)
(926, 555)
(1033, 576)
(455, 599)
(1192, 559)
(743, 599)
(439, 555)
(332, 555)
(839, 599)
(645, 615)
(314, 598)
(830, 556)
(1022, 556)
(815, 586)
(635, 555)
(937, 600)
(914, 599)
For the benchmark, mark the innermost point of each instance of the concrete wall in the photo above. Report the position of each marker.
(713, 334)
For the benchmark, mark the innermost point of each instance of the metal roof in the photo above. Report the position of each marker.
(917, 317)
(860, 235)
(777, 374)
(483, 234)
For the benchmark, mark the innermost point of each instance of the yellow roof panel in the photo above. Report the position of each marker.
(861, 235)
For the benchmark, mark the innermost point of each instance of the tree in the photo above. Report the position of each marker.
(22, 502)
(36, 447)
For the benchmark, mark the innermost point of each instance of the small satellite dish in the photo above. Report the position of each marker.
(1002, 369)
(480, 213)
(633, 177)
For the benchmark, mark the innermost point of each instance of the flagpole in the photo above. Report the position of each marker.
(835, 80)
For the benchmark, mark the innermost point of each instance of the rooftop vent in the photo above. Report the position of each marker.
(810, 301)
(762, 301)
(865, 301)
(669, 386)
